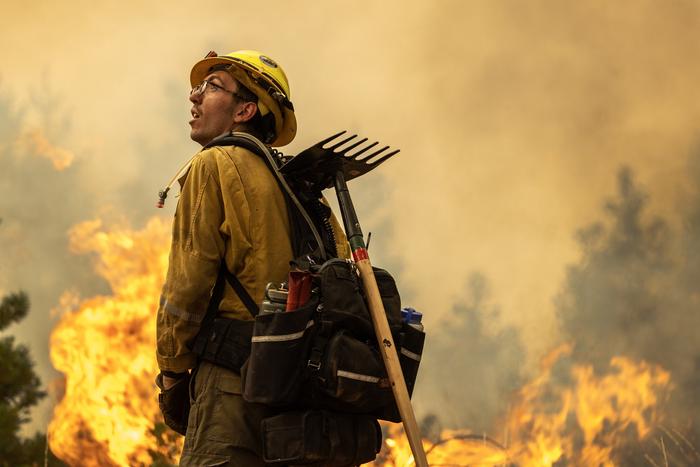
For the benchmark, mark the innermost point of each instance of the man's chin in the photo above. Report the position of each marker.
(197, 137)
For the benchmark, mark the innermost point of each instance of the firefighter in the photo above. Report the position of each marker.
(230, 210)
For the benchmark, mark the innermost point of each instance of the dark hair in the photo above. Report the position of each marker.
(260, 126)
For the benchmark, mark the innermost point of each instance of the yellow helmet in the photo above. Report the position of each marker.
(262, 76)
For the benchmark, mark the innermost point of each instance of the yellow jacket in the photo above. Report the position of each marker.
(230, 207)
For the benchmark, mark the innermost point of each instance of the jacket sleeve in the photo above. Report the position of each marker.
(195, 257)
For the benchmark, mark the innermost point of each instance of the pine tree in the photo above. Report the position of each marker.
(634, 293)
(615, 300)
(20, 389)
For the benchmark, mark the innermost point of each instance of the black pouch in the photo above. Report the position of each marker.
(351, 377)
(390, 297)
(320, 438)
(342, 300)
(409, 343)
(279, 354)
(224, 342)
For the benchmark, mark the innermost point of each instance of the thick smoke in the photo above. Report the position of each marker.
(634, 293)
(38, 204)
(512, 119)
(471, 366)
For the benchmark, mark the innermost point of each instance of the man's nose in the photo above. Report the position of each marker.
(196, 97)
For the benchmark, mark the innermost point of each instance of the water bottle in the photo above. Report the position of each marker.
(412, 317)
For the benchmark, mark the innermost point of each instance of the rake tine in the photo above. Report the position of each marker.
(329, 139)
(363, 150)
(352, 146)
(375, 153)
(340, 143)
(383, 158)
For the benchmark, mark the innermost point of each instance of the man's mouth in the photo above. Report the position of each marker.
(195, 115)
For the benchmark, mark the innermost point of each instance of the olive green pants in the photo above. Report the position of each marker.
(222, 429)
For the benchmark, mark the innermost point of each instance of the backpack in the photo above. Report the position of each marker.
(321, 359)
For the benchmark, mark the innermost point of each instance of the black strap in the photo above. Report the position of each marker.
(232, 140)
(217, 293)
(318, 345)
(207, 326)
(240, 290)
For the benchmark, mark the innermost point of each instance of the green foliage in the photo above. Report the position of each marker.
(13, 308)
(20, 389)
(19, 385)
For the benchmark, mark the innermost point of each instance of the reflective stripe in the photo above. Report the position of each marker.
(283, 337)
(411, 355)
(179, 312)
(357, 376)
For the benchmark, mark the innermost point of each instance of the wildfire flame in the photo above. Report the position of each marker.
(455, 448)
(105, 348)
(36, 140)
(584, 419)
(568, 415)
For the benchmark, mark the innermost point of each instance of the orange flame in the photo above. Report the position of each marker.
(548, 416)
(36, 140)
(105, 348)
(455, 448)
(576, 417)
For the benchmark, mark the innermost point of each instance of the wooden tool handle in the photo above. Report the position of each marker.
(381, 326)
(391, 361)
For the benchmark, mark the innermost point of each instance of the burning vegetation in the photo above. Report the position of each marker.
(109, 414)
(622, 392)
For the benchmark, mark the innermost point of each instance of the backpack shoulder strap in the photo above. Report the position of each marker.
(306, 220)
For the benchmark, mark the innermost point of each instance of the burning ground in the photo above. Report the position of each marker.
(621, 390)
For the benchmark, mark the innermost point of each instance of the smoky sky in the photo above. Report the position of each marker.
(513, 119)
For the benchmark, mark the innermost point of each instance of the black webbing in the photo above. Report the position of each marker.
(240, 290)
(207, 327)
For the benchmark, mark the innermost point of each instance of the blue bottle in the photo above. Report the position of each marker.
(412, 317)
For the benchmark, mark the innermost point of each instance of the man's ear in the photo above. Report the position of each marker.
(244, 112)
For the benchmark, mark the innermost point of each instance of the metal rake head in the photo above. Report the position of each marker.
(319, 164)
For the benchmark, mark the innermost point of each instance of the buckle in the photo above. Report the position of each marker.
(314, 365)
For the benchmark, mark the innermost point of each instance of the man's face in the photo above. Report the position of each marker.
(213, 111)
